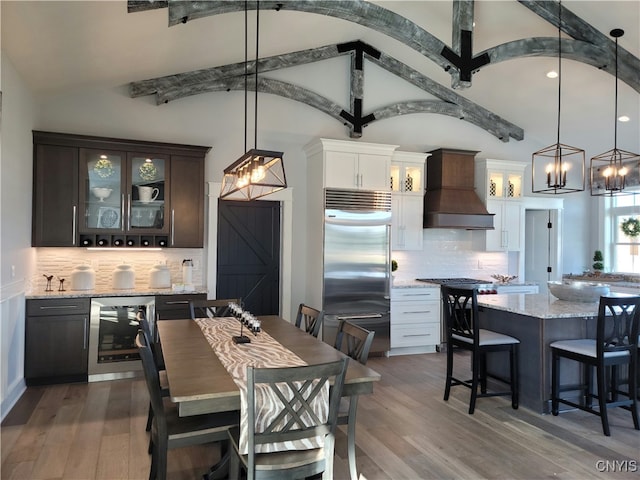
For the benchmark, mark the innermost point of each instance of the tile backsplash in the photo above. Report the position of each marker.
(60, 262)
(449, 254)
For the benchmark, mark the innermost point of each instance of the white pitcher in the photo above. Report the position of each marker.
(147, 194)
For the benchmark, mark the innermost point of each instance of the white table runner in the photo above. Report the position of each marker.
(263, 352)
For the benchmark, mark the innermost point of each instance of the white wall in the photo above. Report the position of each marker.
(18, 114)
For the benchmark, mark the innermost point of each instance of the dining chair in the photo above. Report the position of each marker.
(312, 319)
(295, 389)
(159, 363)
(169, 430)
(463, 331)
(615, 345)
(357, 342)
(211, 308)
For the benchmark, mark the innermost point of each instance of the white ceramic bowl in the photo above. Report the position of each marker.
(578, 291)
(101, 193)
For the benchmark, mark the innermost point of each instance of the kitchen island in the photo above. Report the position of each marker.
(537, 320)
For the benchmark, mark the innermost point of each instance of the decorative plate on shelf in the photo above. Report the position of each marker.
(148, 171)
(104, 168)
(108, 217)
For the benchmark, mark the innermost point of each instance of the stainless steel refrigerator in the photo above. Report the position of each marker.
(357, 263)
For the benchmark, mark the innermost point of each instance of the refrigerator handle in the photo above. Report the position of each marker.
(388, 288)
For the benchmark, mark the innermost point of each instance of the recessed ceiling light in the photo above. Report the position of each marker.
(552, 74)
(623, 118)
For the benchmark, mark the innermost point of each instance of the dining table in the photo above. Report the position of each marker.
(200, 383)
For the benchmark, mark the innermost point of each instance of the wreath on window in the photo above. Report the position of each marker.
(631, 227)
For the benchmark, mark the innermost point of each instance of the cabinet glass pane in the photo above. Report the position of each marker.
(496, 184)
(103, 208)
(147, 193)
(396, 171)
(514, 186)
(413, 179)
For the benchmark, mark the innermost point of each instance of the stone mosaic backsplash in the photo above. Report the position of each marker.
(60, 262)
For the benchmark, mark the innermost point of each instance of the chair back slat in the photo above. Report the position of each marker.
(294, 389)
(618, 324)
(311, 318)
(211, 308)
(358, 341)
(460, 307)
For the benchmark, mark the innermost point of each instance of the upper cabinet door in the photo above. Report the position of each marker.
(102, 190)
(55, 196)
(148, 193)
(357, 170)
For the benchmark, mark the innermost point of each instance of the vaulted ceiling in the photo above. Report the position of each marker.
(58, 46)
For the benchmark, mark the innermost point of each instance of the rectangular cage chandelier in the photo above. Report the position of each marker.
(255, 174)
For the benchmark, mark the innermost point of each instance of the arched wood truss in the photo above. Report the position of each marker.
(587, 45)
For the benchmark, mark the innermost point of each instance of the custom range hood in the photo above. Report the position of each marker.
(450, 200)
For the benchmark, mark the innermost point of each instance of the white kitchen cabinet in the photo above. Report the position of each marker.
(499, 184)
(357, 170)
(406, 222)
(508, 221)
(351, 165)
(407, 200)
(499, 179)
(415, 320)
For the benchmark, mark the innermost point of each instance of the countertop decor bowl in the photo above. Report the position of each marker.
(578, 291)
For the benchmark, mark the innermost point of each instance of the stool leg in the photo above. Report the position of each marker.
(555, 381)
(513, 355)
(586, 392)
(483, 373)
(474, 381)
(447, 386)
(602, 399)
(633, 387)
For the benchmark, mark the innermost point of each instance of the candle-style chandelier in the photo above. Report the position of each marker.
(558, 168)
(610, 170)
(257, 172)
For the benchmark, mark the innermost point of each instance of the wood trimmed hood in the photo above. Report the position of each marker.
(450, 200)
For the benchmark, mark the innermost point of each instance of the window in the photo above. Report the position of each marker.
(623, 249)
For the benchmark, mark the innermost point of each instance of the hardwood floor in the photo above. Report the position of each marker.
(405, 431)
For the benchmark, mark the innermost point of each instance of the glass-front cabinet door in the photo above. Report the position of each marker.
(148, 193)
(123, 193)
(102, 192)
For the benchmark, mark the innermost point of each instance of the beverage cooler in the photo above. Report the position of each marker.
(112, 342)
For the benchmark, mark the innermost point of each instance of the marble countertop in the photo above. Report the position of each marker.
(540, 305)
(134, 292)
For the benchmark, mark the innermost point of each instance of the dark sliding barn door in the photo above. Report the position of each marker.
(249, 254)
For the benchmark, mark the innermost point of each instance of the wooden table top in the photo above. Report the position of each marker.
(199, 383)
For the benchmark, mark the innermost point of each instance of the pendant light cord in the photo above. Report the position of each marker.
(246, 41)
(559, 65)
(255, 113)
(615, 117)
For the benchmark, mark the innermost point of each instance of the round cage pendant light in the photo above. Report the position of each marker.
(558, 168)
(611, 170)
(257, 172)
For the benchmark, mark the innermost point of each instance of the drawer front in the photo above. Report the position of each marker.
(415, 335)
(59, 306)
(411, 313)
(415, 294)
(171, 307)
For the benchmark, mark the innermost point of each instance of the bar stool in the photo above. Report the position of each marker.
(616, 344)
(463, 332)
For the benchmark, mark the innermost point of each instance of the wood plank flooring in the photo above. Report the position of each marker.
(405, 431)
